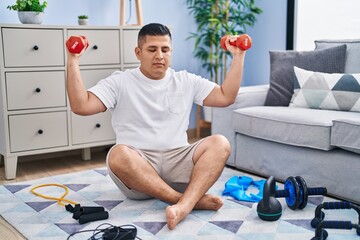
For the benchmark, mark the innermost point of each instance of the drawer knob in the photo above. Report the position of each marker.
(37, 90)
(95, 47)
(40, 131)
(98, 125)
(36, 47)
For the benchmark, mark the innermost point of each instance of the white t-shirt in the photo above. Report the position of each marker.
(152, 114)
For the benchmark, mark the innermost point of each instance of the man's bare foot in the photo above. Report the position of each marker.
(174, 215)
(209, 202)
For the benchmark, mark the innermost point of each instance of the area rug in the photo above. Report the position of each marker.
(38, 218)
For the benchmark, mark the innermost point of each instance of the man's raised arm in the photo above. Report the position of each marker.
(224, 95)
(81, 101)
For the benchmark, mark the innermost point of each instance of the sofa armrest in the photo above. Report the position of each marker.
(247, 97)
(222, 117)
(251, 96)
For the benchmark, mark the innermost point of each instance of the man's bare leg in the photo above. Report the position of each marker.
(209, 161)
(138, 174)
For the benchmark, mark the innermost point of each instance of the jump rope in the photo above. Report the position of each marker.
(59, 200)
(89, 214)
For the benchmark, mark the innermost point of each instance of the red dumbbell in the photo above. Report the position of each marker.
(77, 44)
(243, 42)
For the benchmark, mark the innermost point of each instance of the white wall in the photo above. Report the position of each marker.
(325, 19)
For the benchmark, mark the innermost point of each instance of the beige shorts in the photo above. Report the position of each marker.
(174, 166)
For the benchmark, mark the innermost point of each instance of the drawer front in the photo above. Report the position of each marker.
(94, 128)
(129, 44)
(28, 90)
(91, 77)
(104, 46)
(38, 131)
(33, 47)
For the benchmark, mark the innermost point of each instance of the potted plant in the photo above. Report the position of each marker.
(83, 19)
(215, 19)
(29, 11)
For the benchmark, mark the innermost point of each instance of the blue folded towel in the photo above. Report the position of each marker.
(237, 186)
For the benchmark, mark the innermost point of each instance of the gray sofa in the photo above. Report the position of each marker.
(322, 146)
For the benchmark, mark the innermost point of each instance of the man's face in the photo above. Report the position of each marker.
(154, 53)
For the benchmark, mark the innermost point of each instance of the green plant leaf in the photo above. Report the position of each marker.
(28, 5)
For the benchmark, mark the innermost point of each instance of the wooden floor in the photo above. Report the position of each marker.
(53, 164)
(35, 167)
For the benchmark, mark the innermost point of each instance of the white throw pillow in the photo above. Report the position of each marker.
(317, 90)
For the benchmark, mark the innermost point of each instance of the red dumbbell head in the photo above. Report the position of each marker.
(77, 44)
(244, 42)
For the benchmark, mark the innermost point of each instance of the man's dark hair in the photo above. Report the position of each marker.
(153, 29)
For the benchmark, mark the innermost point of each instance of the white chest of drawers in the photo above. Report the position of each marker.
(35, 116)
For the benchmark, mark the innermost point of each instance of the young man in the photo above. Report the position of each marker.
(150, 108)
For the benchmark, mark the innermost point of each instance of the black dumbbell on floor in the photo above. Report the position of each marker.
(295, 193)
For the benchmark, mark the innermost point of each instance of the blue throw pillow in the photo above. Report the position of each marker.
(319, 90)
(329, 60)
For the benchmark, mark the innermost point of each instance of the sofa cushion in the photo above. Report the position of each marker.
(330, 60)
(352, 52)
(345, 134)
(293, 126)
(318, 90)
